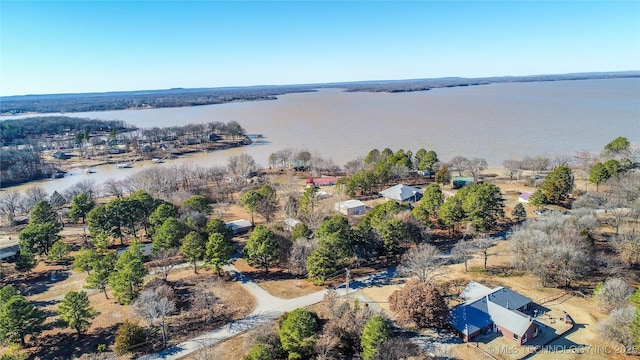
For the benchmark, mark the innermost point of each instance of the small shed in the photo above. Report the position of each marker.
(240, 226)
(461, 181)
(350, 207)
(524, 197)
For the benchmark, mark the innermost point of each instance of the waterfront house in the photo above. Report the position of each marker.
(402, 192)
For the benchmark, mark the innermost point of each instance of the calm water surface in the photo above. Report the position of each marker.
(494, 122)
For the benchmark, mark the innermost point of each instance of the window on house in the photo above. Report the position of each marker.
(515, 337)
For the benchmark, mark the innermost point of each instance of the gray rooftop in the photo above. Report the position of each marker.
(484, 306)
(400, 192)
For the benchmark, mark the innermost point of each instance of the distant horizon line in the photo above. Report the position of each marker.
(632, 73)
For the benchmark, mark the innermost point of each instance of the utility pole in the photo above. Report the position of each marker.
(348, 275)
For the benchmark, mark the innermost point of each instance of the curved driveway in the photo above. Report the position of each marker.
(268, 307)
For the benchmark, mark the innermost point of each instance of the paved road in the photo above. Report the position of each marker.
(268, 307)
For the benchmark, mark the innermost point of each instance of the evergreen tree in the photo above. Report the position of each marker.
(19, 318)
(128, 336)
(76, 312)
(557, 185)
(168, 235)
(80, 207)
(196, 203)
(250, 200)
(297, 331)
(538, 199)
(160, 215)
(262, 249)
(259, 352)
(25, 261)
(432, 200)
(102, 268)
(443, 176)
(483, 205)
(519, 212)
(217, 225)
(39, 238)
(325, 260)
(42, 213)
(218, 252)
(59, 251)
(376, 332)
(126, 280)
(300, 231)
(193, 248)
(84, 260)
(599, 175)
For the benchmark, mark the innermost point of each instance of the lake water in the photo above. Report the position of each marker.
(494, 122)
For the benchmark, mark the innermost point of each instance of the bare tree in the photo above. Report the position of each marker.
(155, 305)
(31, 196)
(113, 187)
(242, 165)
(612, 294)
(459, 164)
(424, 262)
(164, 261)
(513, 168)
(204, 302)
(551, 249)
(475, 166)
(484, 244)
(618, 326)
(584, 160)
(353, 166)
(300, 251)
(464, 251)
(10, 201)
(627, 246)
(321, 211)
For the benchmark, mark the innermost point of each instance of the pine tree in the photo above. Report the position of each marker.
(25, 261)
(376, 332)
(18, 317)
(193, 248)
(76, 312)
(126, 281)
(262, 248)
(218, 252)
(519, 212)
(102, 269)
(59, 251)
(297, 333)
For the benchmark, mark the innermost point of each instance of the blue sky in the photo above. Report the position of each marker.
(86, 46)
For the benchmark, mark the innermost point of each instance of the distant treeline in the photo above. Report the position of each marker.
(20, 131)
(62, 103)
(427, 84)
(11, 105)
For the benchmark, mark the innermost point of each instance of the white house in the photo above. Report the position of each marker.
(350, 207)
(402, 192)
